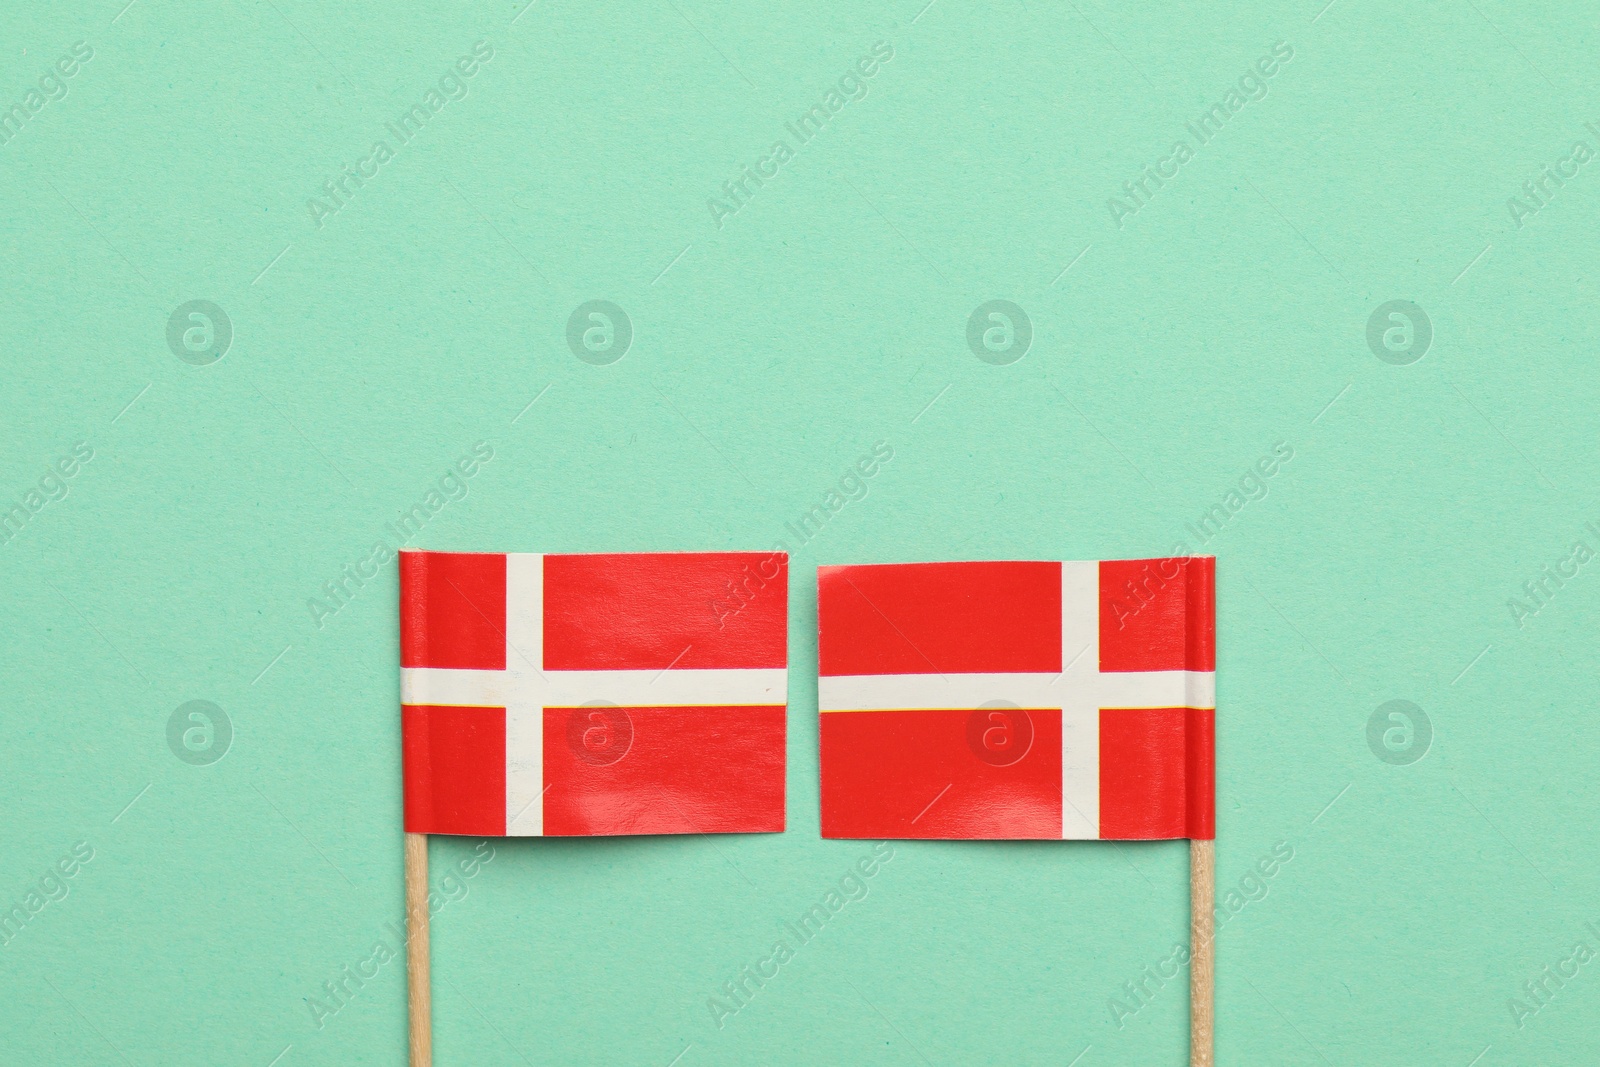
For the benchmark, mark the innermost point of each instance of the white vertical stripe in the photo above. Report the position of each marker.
(524, 771)
(524, 611)
(524, 716)
(1080, 700)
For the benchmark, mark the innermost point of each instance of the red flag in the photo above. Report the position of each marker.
(1018, 699)
(575, 695)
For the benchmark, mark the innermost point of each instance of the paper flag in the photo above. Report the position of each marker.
(1018, 700)
(567, 695)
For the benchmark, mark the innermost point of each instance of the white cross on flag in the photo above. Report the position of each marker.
(1018, 699)
(574, 695)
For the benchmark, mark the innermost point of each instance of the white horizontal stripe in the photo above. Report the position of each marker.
(567, 689)
(1158, 689)
(1114, 689)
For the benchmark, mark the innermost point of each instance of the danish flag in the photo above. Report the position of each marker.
(575, 695)
(1018, 699)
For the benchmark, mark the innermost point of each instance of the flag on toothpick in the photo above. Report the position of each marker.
(577, 695)
(1018, 699)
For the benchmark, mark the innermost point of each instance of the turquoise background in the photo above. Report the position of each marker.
(1227, 315)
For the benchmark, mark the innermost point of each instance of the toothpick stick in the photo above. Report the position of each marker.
(419, 996)
(1202, 950)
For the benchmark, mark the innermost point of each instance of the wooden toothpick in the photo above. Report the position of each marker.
(419, 994)
(1202, 950)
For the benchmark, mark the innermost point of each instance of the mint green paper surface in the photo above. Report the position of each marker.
(1427, 540)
